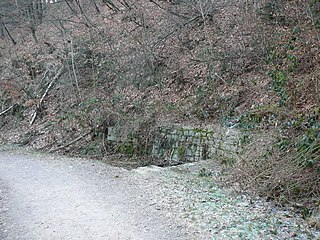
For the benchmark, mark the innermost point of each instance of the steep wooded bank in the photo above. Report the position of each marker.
(71, 69)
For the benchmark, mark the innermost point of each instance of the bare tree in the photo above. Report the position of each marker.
(23, 14)
(7, 19)
(31, 11)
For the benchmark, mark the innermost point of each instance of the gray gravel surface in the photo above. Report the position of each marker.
(193, 193)
(62, 198)
(54, 197)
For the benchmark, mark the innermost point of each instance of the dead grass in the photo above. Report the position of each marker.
(281, 176)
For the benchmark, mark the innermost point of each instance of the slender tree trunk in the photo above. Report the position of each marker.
(96, 6)
(34, 36)
(9, 34)
(39, 10)
(2, 31)
(79, 6)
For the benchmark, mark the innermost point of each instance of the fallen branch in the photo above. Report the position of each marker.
(5, 111)
(55, 78)
(175, 30)
(72, 142)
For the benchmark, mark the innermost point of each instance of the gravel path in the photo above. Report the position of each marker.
(61, 198)
(217, 213)
(51, 197)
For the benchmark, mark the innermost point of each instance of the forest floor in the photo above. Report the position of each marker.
(54, 197)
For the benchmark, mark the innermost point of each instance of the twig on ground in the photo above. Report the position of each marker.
(72, 142)
(175, 30)
(7, 110)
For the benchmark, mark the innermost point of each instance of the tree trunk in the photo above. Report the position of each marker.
(9, 34)
(96, 6)
(34, 36)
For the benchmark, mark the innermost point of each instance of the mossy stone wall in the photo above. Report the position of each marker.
(179, 144)
(185, 144)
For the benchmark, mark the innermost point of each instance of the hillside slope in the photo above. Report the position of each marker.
(76, 67)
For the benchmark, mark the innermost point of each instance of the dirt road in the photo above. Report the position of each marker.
(45, 197)
(61, 198)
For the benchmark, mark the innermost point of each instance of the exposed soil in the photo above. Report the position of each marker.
(53, 197)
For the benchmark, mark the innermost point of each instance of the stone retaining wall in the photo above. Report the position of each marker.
(179, 144)
(184, 144)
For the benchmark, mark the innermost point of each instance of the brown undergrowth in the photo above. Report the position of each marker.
(284, 171)
(247, 64)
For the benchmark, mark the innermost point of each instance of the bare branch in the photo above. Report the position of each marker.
(72, 142)
(56, 77)
(7, 110)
